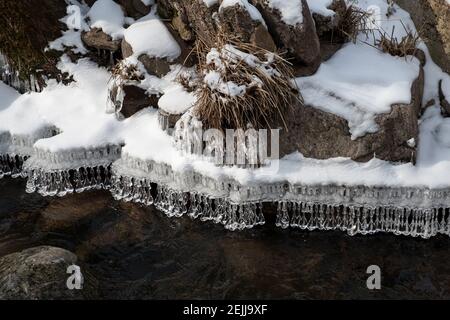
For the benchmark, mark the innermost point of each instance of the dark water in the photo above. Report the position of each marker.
(135, 252)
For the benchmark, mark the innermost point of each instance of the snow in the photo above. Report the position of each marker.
(291, 10)
(108, 16)
(358, 83)
(152, 38)
(253, 12)
(70, 39)
(176, 100)
(8, 95)
(320, 7)
(214, 80)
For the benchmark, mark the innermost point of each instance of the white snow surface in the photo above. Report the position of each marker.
(320, 7)
(152, 38)
(291, 10)
(69, 39)
(176, 100)
(251, 9)
(108, 16)
(358, 83)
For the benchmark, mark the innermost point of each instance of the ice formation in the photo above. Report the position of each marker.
(62, 140)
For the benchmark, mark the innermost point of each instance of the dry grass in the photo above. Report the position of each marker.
(264, 104)
(353, 22)
(407, 46)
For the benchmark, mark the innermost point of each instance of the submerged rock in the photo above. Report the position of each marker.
(37, 273)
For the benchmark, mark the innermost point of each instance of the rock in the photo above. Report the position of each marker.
(135, 99)
(190, 15)
(300, 41)
(37, 273)
(155, 66)
(96, 38)
(445, 103)
(237, 21)
(322, 135)
(135, 8)
(161, 66)
(325, 25)
(182, 26)
(432, 18)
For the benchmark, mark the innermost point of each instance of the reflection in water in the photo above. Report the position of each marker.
(129, 251)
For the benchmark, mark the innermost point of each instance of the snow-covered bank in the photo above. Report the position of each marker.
(75, 145)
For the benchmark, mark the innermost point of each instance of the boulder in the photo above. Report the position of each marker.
(322, 135)
(96, 38)
(135, 8)
(134, 100)
(432, 20)
(300, 41)
(37, 273)
(191, 18)
(445, 103)
(325, 25)
(237, 21)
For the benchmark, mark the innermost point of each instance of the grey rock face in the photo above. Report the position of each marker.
(301, 41)
(432, 20)
(237, 21)
(321, 135)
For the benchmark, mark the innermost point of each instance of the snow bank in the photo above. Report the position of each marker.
(176, 100)
(358, 83)
(70, 39)
(291, 10)
(108, 16)
(253, 12)
(320, 7)
(151, 37)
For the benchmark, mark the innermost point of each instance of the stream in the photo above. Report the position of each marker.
(132, 252)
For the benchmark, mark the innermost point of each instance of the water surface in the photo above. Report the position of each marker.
(132, 252)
